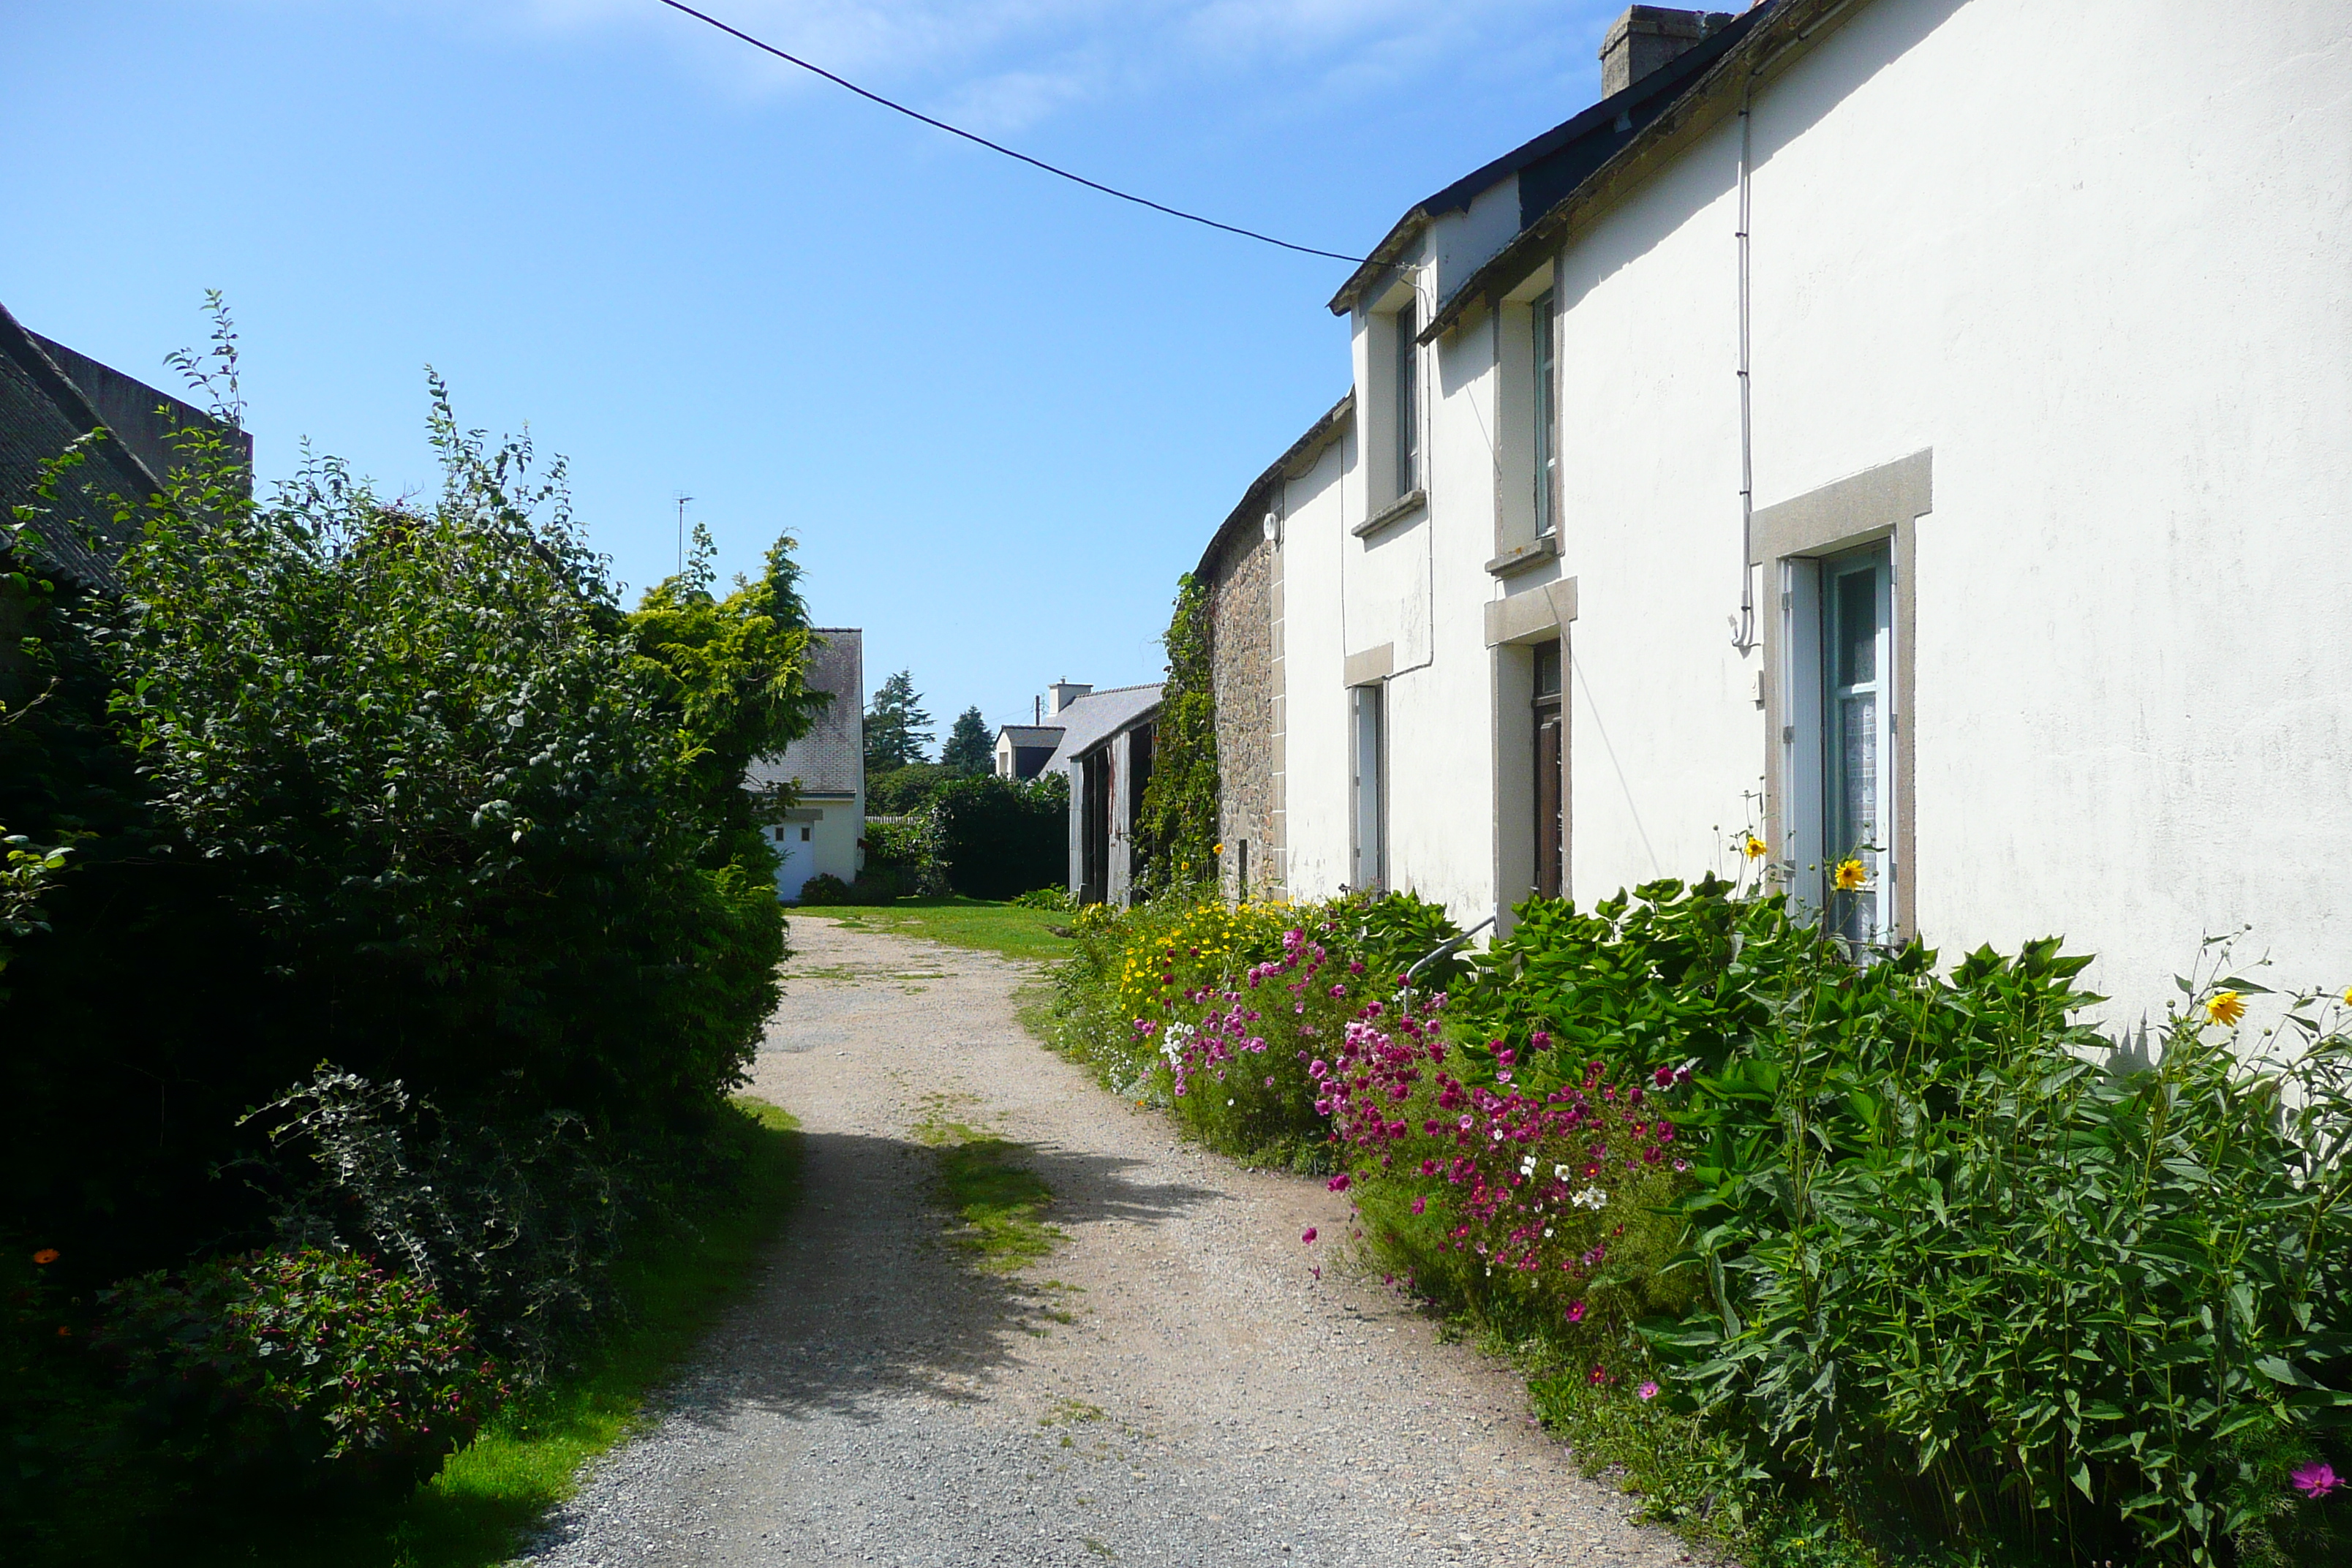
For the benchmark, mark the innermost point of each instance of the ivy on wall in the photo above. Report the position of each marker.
(1177, 819)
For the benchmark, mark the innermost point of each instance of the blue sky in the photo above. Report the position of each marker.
(999, 413)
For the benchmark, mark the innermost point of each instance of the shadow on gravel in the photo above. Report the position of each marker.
(866, 1303)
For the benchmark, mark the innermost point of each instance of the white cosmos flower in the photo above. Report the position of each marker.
(1590, 1198)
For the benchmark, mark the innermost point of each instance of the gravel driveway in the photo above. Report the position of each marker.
(1174, 1386)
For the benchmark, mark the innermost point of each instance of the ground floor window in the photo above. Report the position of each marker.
(1369, 758)
(1838, 743)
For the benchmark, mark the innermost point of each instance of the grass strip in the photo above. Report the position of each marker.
(1010, 931)
(674, 1278)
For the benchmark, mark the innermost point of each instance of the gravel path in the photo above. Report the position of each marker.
(1174, 1386)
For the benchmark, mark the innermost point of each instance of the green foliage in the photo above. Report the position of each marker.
(906, 856)
(998, 839)
(1896, 1263)
(2132, 1272)
(898, 731)
(515, 1224)
(397, 784)
(1176, 823)
(731, 679)
(1220, 1011)
(970, 749)
(1057, 898)
(905, 791)
(297, 1369)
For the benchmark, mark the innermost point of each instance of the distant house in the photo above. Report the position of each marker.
(51, 396)
(826, 767)
(1023, 750)
(1105, 750)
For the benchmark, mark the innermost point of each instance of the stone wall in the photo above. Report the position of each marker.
(1243, 655)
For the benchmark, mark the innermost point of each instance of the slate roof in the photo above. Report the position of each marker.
(1097, 716)
(42, 412)
(1710, 80)
(831, 758)
(1031, 734)
(1552, 166)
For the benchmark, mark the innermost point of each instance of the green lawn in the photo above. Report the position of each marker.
(1008, 929)
(676, 1278)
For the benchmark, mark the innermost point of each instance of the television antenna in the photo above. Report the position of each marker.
(682, 498)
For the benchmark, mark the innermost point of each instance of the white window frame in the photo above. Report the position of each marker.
(1812, 769)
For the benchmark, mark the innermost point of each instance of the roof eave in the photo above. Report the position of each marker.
(1383, 258)
(1289, 466)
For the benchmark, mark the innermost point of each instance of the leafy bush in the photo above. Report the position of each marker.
(516, 1224)
(904, 791)
(825, 888)
(298, 1369)
(1057, 898)
(998, 838)
(1879, 1251)
(905, 855)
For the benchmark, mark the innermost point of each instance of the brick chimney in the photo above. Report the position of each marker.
(1647, 37)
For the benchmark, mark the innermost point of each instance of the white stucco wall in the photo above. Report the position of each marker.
(1316, 521)
(2094, 258)
(834, 828)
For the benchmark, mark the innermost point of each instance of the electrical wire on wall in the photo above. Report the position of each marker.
(1743, 626)
(998, 147)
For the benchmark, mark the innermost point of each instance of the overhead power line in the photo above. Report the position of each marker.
(999, 147)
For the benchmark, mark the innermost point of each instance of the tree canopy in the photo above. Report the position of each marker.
(970, 749)
(898, 731)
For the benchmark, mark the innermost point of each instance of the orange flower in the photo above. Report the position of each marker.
(46, 1257)
(64, 1332)
(1850, 876)
(2225, 1007)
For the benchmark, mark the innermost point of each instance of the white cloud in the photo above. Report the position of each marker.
(1009, 64)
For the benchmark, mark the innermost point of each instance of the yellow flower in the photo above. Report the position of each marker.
(1218, 850)
(2347, 995)
(1753, 849)
(2225, 1007)
(1850, 876)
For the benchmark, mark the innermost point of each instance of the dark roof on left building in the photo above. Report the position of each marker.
(51, 396)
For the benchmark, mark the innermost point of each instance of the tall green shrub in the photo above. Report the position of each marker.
(1176, 824)
(998, 839)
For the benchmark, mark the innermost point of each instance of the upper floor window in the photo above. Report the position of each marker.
(1406, 398)
(1543, 359)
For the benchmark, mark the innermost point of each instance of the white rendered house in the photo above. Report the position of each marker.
(824, 831)
(1911, 430)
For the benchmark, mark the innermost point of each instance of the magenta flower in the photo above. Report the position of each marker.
(1420, 1205)
(2317, 1480)
(1648, 1391)
(1308, 1238)
(1576, 1313)
(1338, 1184)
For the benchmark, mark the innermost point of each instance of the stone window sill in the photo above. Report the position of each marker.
(1397, 510)
(1513, 561)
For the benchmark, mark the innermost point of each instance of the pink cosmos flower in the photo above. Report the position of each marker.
(1308, 1238)
(1337, 1184)
(1648, 1391)
(2317, 1480)
(1598, 1375)
(1576, 1313)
